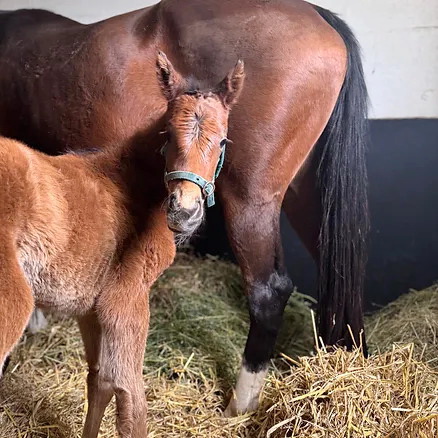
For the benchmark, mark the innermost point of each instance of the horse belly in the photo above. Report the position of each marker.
(58, 288)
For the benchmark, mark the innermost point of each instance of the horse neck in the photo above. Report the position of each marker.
(135, 166)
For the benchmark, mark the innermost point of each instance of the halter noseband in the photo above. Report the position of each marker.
(207, 187)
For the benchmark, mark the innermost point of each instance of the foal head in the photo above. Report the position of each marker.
(197, 125)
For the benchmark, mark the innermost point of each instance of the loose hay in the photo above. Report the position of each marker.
(412, 318)
(198, 329)
(341, 394)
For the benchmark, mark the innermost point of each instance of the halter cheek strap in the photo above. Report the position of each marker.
(207, 187)
(220, 163)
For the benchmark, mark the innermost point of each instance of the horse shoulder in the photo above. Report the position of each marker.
(16, 192)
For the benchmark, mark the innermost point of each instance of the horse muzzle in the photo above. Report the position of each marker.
(184, 220)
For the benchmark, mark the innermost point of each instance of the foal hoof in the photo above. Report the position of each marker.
(37, 322)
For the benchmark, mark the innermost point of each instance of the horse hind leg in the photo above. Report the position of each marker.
(16, 303)
(255, 237)
(302, 205)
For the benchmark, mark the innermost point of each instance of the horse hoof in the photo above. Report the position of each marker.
(233, 409)
(230, 411)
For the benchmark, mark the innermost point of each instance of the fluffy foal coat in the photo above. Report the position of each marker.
(86, 234)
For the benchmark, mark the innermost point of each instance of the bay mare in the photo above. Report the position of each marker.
(87, 235)
(298, 133)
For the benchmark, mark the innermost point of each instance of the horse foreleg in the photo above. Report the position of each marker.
(254, 233)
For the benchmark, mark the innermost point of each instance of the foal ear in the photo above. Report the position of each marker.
(171, 82)
(229, 89)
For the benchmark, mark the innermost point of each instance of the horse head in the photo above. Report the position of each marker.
(197, 126)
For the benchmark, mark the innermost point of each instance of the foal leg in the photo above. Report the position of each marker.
(255, 237)
(125, 353)
(37, 321)
(16, 302)
(115, 357)
(99, 390)
(124, 320)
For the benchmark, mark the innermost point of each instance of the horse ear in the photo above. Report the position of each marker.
(230, 88)
(171, 82)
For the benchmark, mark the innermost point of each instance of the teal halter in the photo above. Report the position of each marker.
(207, 187)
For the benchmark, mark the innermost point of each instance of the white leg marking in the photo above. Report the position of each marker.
(37, 321)
(246, 396)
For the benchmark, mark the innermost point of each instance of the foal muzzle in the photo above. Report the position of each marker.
(207, 187)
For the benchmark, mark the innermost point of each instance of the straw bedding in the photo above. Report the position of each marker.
(198, 329)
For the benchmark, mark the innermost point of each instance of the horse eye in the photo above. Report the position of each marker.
(223, 143)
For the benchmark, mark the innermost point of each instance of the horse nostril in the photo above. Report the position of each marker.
(196, 212)
(190, 214)
(173, 201)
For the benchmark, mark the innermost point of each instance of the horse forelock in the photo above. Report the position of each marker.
(195, 121)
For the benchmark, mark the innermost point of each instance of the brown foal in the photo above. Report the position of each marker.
(87, 234)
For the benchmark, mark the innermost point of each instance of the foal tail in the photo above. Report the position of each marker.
(342, 179)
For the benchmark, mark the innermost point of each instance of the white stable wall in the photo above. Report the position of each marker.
(399, 40)
(400, 45)
(85, 11)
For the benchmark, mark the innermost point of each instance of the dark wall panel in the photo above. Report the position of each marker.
(403, 190)
(403, 173)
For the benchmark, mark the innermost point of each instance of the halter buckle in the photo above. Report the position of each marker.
(208, 189)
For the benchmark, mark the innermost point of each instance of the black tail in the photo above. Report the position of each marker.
(343, 183)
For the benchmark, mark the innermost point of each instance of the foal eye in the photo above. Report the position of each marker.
(223, 143)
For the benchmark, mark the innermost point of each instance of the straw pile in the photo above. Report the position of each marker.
(412, 318)
(198, 329)
(341, 394)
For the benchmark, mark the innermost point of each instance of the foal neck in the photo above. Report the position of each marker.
(136, 165)
(138, 151)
